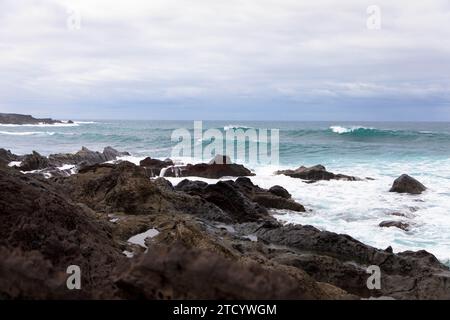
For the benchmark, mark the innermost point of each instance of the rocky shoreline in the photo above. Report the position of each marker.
(22, 119)
(194, 240)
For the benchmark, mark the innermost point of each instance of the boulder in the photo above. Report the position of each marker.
(397, 224)
(85, 157)
(241, 199)
(28, 275)
(407, 184)
(34, 161)
(280, 191)
(154, 166)
(315, 173)
(211, 170)
(215, 171)
(267, 198)
(227, 197)
(112, 154)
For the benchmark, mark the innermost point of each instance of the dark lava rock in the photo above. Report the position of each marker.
(85, 157)
(342, 261)
(35, 216)
(226, 196)
(112, 154)
(34, 161)
(315, 173)
(178, 272)
(27, 275)
(280, 191)
(407, 184)
(215, 171)
(398, 224)
(6, 156)
(125, 187)
(212, 170)
(14, 118)
(268, 198)
(191, 186)
(241, 199)
(154, 166)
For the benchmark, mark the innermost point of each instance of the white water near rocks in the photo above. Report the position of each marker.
(139, 239)
(382, 151)
(163, 172)
(356, 208)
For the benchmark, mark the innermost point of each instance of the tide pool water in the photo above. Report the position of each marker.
(378, 150)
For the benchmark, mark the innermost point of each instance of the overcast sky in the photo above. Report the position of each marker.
(225, 59)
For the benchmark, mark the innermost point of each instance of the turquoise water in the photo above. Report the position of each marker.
(308, 142)
(378, 150)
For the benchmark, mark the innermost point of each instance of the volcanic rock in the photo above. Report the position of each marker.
(241, 199)
(315, 173)
(34, 161)
(178, 272)
(280, 191)
(85, 157)
(125, 187)
(212, 170)
(154, 166)
(35, 216)
(407, 184)
(342, 261)
(14, 118)
(6, 156)
(398, 224)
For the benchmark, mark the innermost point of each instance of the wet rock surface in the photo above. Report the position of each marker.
(86, 157)
(154, 166)
(407, 184)
(53, 165)
(179, 272)
(397, 224)
(220, 166)
(34, 161)
(243, 200)
(315, 173)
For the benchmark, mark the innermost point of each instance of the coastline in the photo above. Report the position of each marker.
(234, 223)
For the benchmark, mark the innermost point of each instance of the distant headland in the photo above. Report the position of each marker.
(14, 118)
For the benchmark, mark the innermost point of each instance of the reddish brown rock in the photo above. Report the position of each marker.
(407, 184)
(315, 173)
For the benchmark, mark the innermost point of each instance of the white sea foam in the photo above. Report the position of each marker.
(139, 239)
(27, 133)
(341, 130)
(85, 122)
(75, 124)
(15, 164)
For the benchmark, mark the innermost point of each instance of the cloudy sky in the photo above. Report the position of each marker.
(216, 59)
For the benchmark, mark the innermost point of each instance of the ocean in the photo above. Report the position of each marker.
(379, 150)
